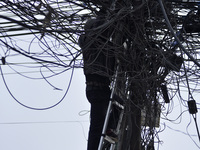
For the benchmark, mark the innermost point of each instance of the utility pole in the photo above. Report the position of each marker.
(130, 135)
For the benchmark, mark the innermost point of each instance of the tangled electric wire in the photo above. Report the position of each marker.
(157, 48)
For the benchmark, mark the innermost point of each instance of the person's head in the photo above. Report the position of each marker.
(92, 24)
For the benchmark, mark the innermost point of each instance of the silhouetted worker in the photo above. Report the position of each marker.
(99, 61)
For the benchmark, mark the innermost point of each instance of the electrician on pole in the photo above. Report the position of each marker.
(99, 63)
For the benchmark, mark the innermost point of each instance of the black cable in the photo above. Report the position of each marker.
(143, 54)
(34, 108)
(38, 28)
(175, 36)
(29, 56)
(197, 128)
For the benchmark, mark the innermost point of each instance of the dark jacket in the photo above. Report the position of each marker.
(98, 51)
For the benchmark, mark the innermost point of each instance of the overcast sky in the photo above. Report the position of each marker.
(65, 126)
(61, 127)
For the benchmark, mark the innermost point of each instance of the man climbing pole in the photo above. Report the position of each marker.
(99, 62)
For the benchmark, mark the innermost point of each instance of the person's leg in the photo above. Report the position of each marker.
(99, 102)
(96, 125)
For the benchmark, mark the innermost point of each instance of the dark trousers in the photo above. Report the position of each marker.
(99, 99)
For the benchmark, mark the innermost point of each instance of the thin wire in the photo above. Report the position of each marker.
(41, 122)
(49, 122)
(131, 22)
(34, 108)
(196, 125)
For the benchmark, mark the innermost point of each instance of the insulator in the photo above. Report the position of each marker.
(175, 62)
(178, 61)
(165, 93)
(192, 28)
(192, 106)
(3, 60)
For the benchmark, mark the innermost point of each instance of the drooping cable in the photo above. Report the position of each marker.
(35, 108)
